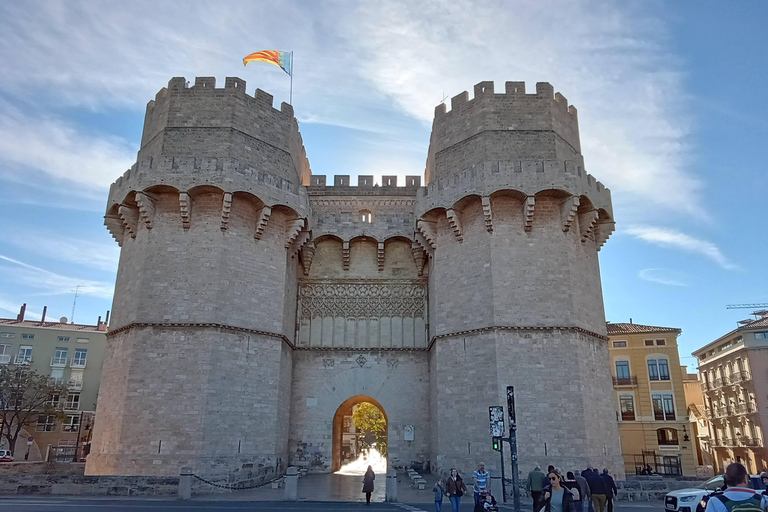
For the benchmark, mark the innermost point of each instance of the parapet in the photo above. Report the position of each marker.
(512, 110)
(203, 105)
(365, 184)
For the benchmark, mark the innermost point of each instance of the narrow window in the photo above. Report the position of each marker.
(653, 370)
(619, 343)
(627, 407)
(667, 437)
(663, 369)
(669, 407)
(648, 343)
(622, 372)
(366, 216)
(658, 407)
(661, 342)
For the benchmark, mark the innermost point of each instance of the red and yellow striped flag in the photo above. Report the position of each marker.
(276, 57)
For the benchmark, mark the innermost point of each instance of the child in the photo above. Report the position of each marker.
(439, 490)
(487, 503)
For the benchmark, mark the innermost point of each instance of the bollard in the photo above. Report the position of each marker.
(185, 484)
(391, 489)
(291, 484)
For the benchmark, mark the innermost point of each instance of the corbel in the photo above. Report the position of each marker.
(587, 223)
(487, 213)
(568, 210)
(380, 255)
(226, 209)
(261, 221)
(455, 223)
(184, 208)
(528, 206)
(146, 204)
(130, 218)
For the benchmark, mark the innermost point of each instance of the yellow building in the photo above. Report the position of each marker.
(651, 408)
(698, 421)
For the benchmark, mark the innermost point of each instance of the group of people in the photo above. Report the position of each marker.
(588, 491)
(455, 488)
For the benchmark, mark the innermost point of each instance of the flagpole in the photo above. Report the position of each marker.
(290, 98)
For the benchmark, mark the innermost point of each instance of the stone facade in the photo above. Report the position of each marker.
(255, 301)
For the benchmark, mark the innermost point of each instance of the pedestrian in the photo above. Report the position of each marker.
(764, 478)
(481, 477)
(439, 490)
(455, 489)
(610, 489)
(737, 494)
(556, 498)
(571, 484)
(587, 471)
(534, 485)
(597, 489)
(368, 479)
(586, 496)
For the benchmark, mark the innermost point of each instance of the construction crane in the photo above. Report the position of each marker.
(756, 305)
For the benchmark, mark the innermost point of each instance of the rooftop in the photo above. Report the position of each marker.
(52, 325)
(753, 324)
(632, 328)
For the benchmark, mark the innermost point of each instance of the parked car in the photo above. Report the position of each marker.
(5, 456)
(695, 499)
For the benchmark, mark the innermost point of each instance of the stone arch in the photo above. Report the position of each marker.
(465, 201)
(338, 418)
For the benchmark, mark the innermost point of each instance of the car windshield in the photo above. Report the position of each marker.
(756, 482)
(712, 484)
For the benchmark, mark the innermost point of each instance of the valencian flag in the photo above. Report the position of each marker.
(276, 57)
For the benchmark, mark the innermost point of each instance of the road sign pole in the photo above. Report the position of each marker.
(513, 445)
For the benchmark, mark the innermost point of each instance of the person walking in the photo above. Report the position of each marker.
(586, 496)
(737, 493)
(556, 498)
(764, 478)
(480, 477)
(368, 479)
(578, 495)
(610, 489)
(535, 485)
(455, 489)
(597, 489)
(439, 490)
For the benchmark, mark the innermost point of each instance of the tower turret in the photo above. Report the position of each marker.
(513, 224)
(210, 220)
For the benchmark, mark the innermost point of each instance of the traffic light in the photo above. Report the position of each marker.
(497, 444)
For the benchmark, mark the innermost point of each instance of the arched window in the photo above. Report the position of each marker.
(365, 216)
(667, 436)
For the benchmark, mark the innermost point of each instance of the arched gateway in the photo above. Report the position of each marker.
(253, 299)
(346, 439)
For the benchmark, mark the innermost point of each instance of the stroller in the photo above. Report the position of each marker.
(487, 503)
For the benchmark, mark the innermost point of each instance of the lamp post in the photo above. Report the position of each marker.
(77, 442)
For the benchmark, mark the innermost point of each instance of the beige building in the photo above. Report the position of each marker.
(69, 353)
(734, 377)
(697, 417)
(650, 399)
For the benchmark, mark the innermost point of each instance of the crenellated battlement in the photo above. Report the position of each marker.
(366, 185)
(201, 119)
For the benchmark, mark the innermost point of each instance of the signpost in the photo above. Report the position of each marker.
(496, 416)
(513, 445)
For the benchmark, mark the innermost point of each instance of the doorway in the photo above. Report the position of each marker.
(360, 436)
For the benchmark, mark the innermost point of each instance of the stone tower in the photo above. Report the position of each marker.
(209, 220)
(256, 304)
(513, 224)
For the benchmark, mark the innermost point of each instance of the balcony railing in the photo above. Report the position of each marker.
(58, 362)
(75, 384)
(22, 359)
(750, 441)
(78, 363)
(5, 359)
(744, 408)
(625, 381)
(725, 441)
(739, 377)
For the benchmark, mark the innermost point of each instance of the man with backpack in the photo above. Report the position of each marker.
(737, 497)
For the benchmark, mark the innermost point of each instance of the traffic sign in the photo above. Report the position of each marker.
(30, 439)
(496, 416)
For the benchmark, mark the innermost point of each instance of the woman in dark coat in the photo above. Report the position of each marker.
(455, 489)
(556, 498)
(368, 479)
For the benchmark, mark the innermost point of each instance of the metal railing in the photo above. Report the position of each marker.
(625, 381)
(660, 464)
(5, 359)
(58, 362)
(739, 377)
(75, 384)
(78, 363)
(22, 359)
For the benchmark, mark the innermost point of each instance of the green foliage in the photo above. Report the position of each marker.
(25, 394)
(370, 422)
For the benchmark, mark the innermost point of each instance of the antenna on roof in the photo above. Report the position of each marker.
(754, 305)
(74, 302)
(445, 97)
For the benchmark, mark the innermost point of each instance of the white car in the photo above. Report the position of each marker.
(5, 456)
(695, 498)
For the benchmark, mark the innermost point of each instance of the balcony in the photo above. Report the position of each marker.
(722, 411)
(75, 385)
(625, 381)
(58, 362)
(744, 408)
(725, 442)
(5, 359)
(22, 359)
(718, 383)
(77, 363)
(750, 441)
(741, 376)
(706, 386)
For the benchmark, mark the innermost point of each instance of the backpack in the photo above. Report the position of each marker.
(753, 504)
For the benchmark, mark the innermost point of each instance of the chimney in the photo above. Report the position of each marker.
(98, 323)
(22, 311)
(106, 320)
(630, 320)
(45, 310)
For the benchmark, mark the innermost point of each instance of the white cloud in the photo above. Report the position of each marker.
(671, 238)
(86, 253)
(362, 64)
(51, 283)
(662, 276)
(56, 149)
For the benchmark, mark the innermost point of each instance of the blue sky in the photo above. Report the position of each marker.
(670, 98)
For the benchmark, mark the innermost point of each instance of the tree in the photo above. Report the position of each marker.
(369, 419)
(25, 395)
